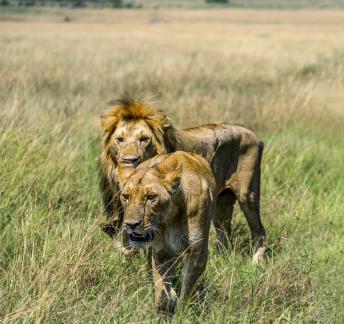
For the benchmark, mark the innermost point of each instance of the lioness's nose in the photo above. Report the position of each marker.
(133, 224)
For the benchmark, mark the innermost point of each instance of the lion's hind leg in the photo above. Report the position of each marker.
(252, 215)
(249, 199)
(223, 218)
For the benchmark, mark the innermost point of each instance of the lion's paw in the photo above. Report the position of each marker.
(118, 245)
(258, 256)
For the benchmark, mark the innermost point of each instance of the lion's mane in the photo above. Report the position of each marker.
(128, 108)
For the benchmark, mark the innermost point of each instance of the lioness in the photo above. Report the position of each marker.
(168, 205)
(133, 132)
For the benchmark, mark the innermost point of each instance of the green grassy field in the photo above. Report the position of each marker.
(281, 73)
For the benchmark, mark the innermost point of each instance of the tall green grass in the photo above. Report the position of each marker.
(57, 266)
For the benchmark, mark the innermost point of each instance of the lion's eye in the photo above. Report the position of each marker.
(119, 139)
(151, 197)
(144, 139)
(125, 197)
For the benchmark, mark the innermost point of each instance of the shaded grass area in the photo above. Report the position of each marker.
(57, 266)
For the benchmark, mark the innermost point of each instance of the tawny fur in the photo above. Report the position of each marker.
(233, 151)
(179, 214)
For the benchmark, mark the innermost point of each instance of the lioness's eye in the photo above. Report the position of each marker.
(119, 139)
(125, 197)
(144, 138)
(151, 197)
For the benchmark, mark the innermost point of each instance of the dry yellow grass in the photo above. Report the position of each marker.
(279, 72)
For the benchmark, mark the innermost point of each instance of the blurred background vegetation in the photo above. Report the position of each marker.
(262, 4)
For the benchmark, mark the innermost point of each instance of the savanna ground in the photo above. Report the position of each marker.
(281, 73)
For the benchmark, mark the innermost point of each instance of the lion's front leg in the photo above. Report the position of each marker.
(195, 263)
(163, 269)
(196, 257)
(113, 227)
(123, 245)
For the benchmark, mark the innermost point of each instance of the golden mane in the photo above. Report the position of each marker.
(129, 108)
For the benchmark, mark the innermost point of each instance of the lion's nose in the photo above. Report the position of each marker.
(133, 224)
(131, 160)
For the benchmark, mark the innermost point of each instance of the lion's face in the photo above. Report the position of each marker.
(147, 201)
(132, 142)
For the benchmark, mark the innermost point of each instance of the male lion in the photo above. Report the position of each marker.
(133, 132)
(168, 205)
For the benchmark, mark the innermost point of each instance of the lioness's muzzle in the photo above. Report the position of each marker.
(133, 225)
(138, 241)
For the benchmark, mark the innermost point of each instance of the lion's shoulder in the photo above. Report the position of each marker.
(194, 171)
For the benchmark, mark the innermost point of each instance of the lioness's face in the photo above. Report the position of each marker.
(146, 203)
(132, 142)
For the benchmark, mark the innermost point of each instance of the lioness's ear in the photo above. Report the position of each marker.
(173, 177)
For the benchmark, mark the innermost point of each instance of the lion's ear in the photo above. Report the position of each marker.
(102, 122)
(158, 121)
(108, 123)
(173, 177)
(167, 122)
(109, 120)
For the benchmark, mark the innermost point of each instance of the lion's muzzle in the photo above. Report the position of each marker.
(130, 161)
